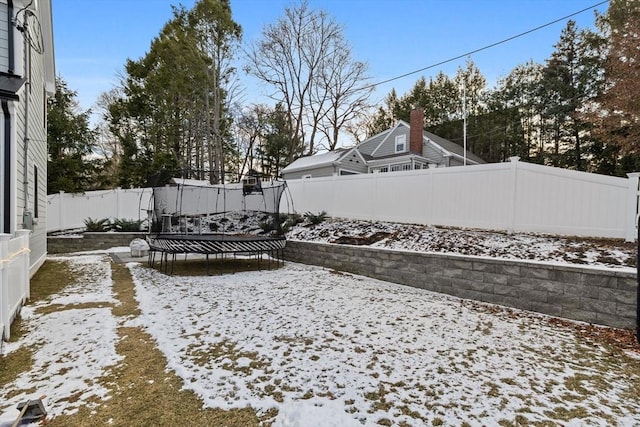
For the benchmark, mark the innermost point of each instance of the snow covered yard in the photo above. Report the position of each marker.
(324, 348)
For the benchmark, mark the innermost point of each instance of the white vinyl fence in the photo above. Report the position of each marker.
(512, 196)
(14, 277)
(67, 211)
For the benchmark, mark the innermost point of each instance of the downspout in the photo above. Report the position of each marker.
(12, 60)
(5, 227)
(27, 91)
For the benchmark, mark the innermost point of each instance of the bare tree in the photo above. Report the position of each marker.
(304, 58)
(250, 129)
(347, 96)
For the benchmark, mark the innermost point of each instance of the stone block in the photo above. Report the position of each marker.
(536, 273)
(600, 281)
(484, 266)
(532, 295)
(498, 279)
(508, 269)
(567, 276)
(546, 308)
(615, 321)
(580, 290)
(627, 283)
(591, 304)
(579, 314)
(626, 310)
(617, 295)
(505, 290)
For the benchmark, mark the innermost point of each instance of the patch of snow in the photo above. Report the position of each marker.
(323, 412)
(335, 342)
(74, 347)
(606, 253)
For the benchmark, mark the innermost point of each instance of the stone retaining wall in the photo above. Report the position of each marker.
(89, 242)
(600, 296)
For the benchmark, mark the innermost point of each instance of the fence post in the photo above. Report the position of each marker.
(25, 263)
(5, 321)
(61, 210)
(632, 207)
(514, 192)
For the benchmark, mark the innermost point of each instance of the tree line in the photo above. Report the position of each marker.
(178, 110)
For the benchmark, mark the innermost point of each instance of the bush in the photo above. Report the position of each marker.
(293, 219)
(126, 225)
(97, 225)
(315, 218)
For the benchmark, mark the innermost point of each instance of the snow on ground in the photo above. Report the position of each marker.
(333, 349)
(516, 246)
(74, 345)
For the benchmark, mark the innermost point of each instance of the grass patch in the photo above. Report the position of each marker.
(12, 364)
(142, 391)
(50, 279)
(216, 266)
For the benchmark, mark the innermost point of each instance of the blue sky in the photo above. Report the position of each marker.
(93, 38)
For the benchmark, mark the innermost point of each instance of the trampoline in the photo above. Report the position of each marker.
(194, 217)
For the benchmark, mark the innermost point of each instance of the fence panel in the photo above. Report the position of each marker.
(14, 277)
(554, 200)
(69, 211)
(512, 196)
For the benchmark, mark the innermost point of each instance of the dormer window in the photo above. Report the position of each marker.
(401, 143)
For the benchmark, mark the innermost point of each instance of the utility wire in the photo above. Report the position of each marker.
(485, 47)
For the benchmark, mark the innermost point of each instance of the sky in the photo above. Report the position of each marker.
(324, 349)
(93, 39)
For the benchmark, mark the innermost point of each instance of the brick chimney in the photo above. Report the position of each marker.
(416, 127)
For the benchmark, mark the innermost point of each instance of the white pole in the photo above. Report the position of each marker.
(464, 121)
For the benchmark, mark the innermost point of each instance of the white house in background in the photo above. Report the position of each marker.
(27, 79)
(406, 146)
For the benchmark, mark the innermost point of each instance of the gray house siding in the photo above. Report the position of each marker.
(368, 147)
(4, 38)
(30, 161)
(352, 162)
(388, 147)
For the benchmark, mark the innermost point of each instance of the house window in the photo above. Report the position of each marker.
(384, 169)
(35, 191)
(396, 168)
(401, 143)
(406, 167)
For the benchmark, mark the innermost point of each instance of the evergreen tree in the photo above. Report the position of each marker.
(569, 81)
(172, 115)
(616, 112)
(70, 141)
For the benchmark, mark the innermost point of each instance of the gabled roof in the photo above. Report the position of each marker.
(315, 161)
(452, 147)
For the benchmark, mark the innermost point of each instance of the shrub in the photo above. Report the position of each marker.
(126, 225)
(315, 218)
(97, 225)
(291, 219)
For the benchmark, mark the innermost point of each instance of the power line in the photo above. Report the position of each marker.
(485, 47)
